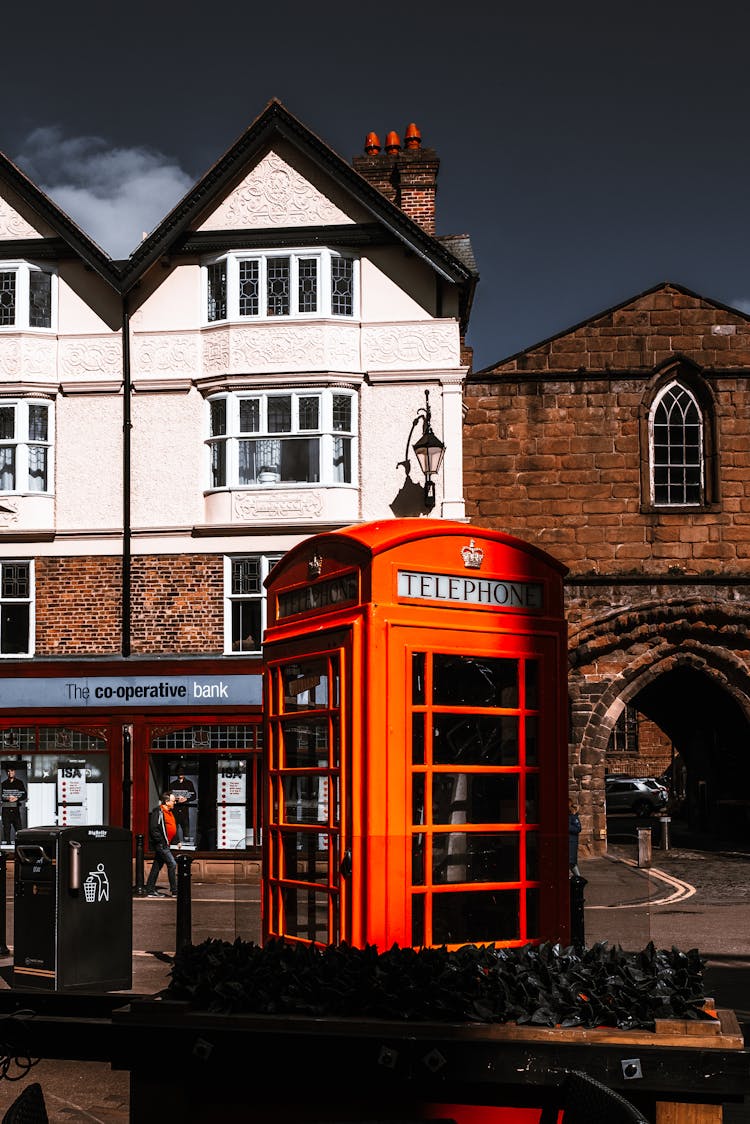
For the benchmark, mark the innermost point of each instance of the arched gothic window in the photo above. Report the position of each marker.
(677, 448)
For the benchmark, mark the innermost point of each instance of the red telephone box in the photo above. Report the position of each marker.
(416, 750)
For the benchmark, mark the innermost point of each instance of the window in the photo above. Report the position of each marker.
(677, 453)
(16, 593)
(25, 442)
(296, 437)
(624, 736)
(269, 285)
(26, 296)
(245, 618)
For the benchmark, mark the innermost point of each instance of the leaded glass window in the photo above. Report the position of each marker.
(26, 296)
(15, 608)
(40, 299)
(278, 287)
(8, 297)
(342, 286)
(249, 288)
(216, 276)
(25, 444)
(246, 601)
(677, 448)
(300, 283)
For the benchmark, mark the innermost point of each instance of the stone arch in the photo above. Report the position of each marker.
(623, 651)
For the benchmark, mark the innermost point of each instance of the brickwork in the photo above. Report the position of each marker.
(406, 178)
(78, 610)
(556, 452)
(177, 606)
(559, 458)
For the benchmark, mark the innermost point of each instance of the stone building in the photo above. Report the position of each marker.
(172, 423)
(622, 447)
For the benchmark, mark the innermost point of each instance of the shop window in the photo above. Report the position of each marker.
(245, 601)
(215, 773)
(16, 608)
(292, 437)
(677, 448)
(25, 445)
(52, 775)
(269, 285)
(27, 295)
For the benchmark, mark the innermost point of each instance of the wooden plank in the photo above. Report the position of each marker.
(724, 1033)
(673, 1112)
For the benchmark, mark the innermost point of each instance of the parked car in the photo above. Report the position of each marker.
(640, 795)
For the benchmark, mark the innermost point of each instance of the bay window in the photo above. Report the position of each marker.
(268, 285)
(25, 444)
(291, 437)
(26, 296)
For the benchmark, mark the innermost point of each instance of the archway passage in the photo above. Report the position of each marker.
(710, 735)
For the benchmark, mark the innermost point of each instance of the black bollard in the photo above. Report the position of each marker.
(140, 880)
(577, 935)
(4, 950)
(184, 903)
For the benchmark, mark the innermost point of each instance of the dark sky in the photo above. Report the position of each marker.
(589, 150)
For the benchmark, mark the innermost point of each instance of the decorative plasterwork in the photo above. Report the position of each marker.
(268, 347)
(13, 225)
(27, 355)
(277, 505)
(413, 345)
(8, 512)
(274, 194)
(80, 358)
(163, 353)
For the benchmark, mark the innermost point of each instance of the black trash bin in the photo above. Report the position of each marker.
(73, 909)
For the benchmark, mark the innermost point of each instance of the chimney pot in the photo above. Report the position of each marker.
(412, 137)
(392, 143)
(372, 144)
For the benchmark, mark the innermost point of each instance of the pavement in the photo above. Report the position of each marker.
(686, 898)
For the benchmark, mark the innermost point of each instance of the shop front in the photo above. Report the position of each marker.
(83, 745)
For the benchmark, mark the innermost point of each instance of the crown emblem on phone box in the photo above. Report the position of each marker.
(472, 556)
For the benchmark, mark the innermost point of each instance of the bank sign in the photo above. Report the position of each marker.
(132, 691)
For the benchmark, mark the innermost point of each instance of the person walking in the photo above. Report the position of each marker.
(162, 829)
(574, 830)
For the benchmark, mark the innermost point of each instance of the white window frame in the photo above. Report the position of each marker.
(674, 466)
(23, 270)
(21, 443)
(324, 258)
(30, 601)
(265, 564)
(324, 434)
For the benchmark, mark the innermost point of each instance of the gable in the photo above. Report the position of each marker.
(278, 192)
(13, 224)
(640, 334)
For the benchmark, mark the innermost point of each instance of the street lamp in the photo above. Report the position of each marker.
(429, 451)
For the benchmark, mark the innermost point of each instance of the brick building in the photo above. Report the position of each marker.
(172, 423)
(621, 447)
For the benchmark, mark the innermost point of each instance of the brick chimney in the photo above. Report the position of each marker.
(406, 176)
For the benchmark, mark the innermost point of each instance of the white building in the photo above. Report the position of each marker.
(171, 424)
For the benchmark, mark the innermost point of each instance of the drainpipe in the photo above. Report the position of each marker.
(127, 426)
